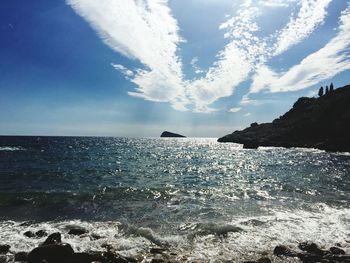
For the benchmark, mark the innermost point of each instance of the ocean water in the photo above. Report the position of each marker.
(203, 200)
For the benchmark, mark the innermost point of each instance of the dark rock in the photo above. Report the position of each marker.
(283, 251)
(251, 145)
(322, 123)
(157, 250)
(29, 234)
(95, 236)
(264, 260)
(311, 248)
(21, 256)
(77, 231)
(337, 251)
(157, 260)
(80, 258)
(52, 239)
(41, 233)
(171, 135)
(4, 249)
(51, 253)
(110, 257)
(309, 257)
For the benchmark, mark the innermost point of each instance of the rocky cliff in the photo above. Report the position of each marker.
(322, 123)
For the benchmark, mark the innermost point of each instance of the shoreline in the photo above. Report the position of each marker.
(54, 250)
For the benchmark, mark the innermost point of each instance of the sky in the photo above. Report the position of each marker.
(202, 68)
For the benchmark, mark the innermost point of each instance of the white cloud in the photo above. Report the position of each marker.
(276, 3)
(324, 64)
(234, 110)
(142, 30)
(123, 70)
(194, 65)
(311, 14)
(145, 30)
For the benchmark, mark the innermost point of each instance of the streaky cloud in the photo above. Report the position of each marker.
(311, 14)
(321, 65)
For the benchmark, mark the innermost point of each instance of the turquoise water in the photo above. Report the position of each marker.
(203, 198)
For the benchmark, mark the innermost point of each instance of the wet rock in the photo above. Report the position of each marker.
(309, 257)
(157, 250)
(110, 257)
(311, 248)
(80, 258)
(41, 233)
(264, 260)
(337, 251)
(21, 256)
(95, 236)
(4, 249)
(52, 239)
(29, 234)
(77, 231)
(51, 253)
(283, 251)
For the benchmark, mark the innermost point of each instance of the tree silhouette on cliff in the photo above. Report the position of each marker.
(320, 92)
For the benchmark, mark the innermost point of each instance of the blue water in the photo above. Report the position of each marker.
(187, 193)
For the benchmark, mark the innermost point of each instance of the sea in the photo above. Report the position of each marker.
(203, 200)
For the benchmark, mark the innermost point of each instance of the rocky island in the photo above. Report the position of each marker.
(167, 134)
(322, 123)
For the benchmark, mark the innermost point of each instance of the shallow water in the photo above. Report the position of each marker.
(204, 199)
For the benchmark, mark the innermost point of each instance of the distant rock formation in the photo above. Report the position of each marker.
(171, 135)
(322, 123)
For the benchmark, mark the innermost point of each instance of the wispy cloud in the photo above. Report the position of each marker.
(324, 64)
(123, 70)
(146, 30)
(142, 30)
(234, 110)
(311, 14)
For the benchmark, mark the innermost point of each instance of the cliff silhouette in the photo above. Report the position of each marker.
(322, 123)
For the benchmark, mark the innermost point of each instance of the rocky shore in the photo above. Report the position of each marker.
(322, 123)
(55, 250)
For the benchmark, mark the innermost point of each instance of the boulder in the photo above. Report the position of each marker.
(29, 234)
(56, 253)
(311, 248)
(77, 231)
(337, 251)
(4, 249)
(21, 256)
(41, 233)
(53, 239)
(283, 251)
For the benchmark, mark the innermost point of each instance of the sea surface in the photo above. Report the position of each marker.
(204, 200)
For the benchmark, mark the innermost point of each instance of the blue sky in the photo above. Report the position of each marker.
(135, 68)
